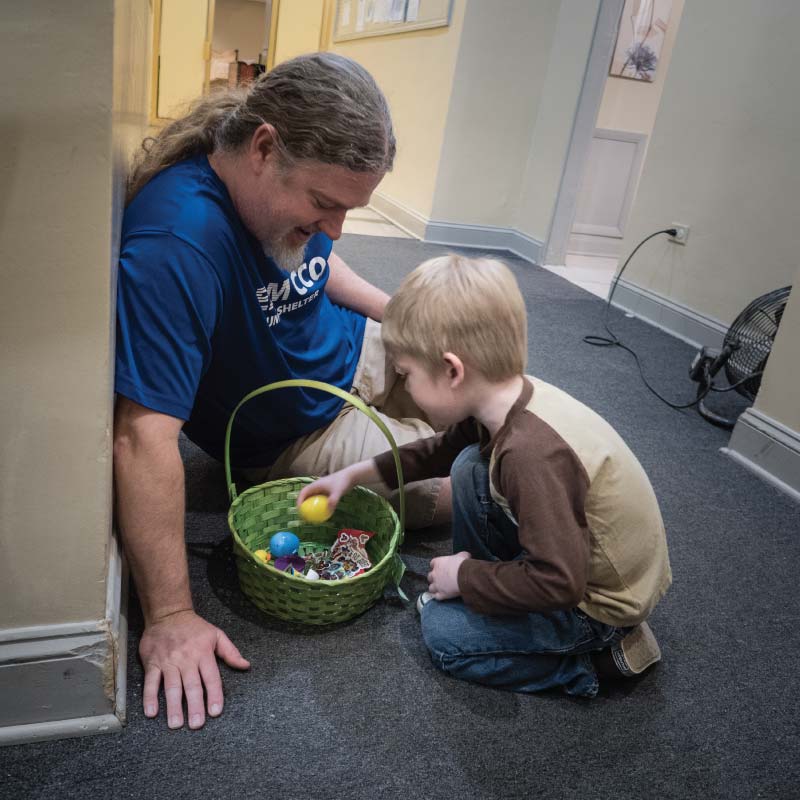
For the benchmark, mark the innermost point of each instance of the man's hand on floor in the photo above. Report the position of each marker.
(181, 649)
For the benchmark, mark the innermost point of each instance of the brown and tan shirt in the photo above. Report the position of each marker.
(587, 516)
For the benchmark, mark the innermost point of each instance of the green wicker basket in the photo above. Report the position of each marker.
(263, 510)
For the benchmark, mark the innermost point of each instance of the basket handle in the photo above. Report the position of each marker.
(335, 390)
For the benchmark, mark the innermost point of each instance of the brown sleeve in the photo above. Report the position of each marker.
(428, 458)
(545, 485)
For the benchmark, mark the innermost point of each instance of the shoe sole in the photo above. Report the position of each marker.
(422, 601)
(640, 649)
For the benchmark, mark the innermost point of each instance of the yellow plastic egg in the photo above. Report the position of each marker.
(315, 509)
(262, 555)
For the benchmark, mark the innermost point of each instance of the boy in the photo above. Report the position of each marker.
(559, 548)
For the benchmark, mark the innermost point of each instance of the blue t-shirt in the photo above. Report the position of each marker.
(204, 317)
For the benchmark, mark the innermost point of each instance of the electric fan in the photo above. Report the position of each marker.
(744, 353)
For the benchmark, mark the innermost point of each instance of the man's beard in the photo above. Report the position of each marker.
(286, 257)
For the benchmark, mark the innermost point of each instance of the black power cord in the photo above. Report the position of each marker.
(614, 340)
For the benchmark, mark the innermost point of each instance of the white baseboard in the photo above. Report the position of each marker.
(59, 729)
(762, 445)
(674, 318)
(767, 448)
(67, 679)
(485, 237)
(117, 616)
(412, 222)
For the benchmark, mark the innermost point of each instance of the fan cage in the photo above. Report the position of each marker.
(752, 334)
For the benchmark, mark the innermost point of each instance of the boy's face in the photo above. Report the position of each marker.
(434, 394)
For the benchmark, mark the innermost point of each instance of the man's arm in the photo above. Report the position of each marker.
(346, 288)
(177, 645)
(150, 507)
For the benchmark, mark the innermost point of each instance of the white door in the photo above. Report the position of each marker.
(606, 193)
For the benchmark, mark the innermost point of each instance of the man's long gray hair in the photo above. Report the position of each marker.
(325, 107)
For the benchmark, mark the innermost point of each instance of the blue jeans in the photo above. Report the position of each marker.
(522, 652)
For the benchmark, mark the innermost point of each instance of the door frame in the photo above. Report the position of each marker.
(326, 25)
(594, 81)
(154, 119)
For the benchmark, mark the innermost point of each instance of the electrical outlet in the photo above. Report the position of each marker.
(682, 233)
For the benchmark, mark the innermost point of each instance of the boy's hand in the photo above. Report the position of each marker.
(334, 486)
(443, 577)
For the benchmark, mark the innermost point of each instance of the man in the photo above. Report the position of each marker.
(227, 282)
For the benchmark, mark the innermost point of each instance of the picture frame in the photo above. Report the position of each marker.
(361, 19)
(640, 39)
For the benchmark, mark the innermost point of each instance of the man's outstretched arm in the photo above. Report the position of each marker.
(346, 288)
(177, 645)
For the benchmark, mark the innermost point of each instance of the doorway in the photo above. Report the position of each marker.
(615, 118)
(202, 45)
(240, 41)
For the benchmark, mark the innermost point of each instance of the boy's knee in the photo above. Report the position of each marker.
(438, 629)
(462, 471)
(469, 477)
(467, 457)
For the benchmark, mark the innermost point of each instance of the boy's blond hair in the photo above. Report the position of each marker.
(471, 307)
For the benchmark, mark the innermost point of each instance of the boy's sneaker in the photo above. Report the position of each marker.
(629, 657)
(423, 600)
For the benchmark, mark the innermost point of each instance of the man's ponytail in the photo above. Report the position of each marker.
(192, 135)
(323, 106)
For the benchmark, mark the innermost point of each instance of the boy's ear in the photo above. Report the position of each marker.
(454, 369)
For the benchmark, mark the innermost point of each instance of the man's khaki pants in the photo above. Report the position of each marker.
(352, 436)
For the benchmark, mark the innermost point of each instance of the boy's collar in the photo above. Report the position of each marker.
(524, 396)
(520, 404)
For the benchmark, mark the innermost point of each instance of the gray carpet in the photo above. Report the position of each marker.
(358, 711)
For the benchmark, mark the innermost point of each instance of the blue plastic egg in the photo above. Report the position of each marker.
(283, 543)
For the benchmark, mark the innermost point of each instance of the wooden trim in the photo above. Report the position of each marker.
(675, 318)
(402, 216)
(485, 237)
(590, 98)
(67, 679)
(273, 33)
(154, 119)
(328, 17)
(59, 729)
(768, 449)
(207, 45)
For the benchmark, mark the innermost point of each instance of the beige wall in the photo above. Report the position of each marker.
(723, 158)
(182, 71)
(779, 396)
(415, 71)
(240, 25)
(59, 203)
(568, 54)
(499, 77)
(133, 43)
(630, 105)
(299, 28)
(482, 108)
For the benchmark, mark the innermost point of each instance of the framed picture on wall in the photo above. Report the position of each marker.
(640, 39)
